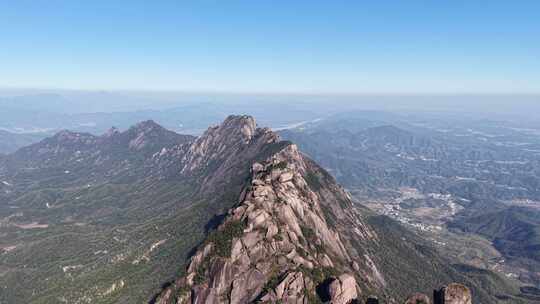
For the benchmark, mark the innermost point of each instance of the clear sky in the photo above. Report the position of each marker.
(399, 46)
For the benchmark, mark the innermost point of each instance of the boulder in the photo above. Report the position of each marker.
(453, 293)
(292, 289)
(285, 177)
(271, 231)
(342, 290)
(257, 182)
(256, 168)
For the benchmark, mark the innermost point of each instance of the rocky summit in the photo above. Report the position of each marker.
(293, 237)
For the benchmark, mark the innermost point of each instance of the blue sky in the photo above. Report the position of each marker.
(273, 46)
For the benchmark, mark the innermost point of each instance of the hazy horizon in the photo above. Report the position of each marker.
(159, 99)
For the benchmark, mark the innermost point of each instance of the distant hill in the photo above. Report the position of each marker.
(9, 142)
(515, 231)
(372, 154)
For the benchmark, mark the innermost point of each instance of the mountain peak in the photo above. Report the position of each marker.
(281, 241)
(223, 143)
(147, 125)
(244, 123)
(292, 234)
(66, 136)
(148, 133)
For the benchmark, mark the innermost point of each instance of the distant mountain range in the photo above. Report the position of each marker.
(95, 112)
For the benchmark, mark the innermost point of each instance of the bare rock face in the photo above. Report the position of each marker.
(277, 244)
(265, 249)
(222, 149)
(290, 290)
(418, 298)
(453, 293)
(343, 290)
(233, 134)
